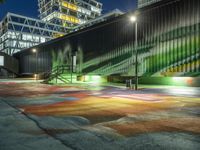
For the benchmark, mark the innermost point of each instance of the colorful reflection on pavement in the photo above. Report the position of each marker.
(125, 112)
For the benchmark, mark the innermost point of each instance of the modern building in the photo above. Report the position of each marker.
(19, 32)
(69, 13)
(168, 46)
(58, 17)
(105, 17)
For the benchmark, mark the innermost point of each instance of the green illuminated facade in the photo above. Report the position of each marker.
(168, 45)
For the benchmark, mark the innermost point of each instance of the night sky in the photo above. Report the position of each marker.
(30, 8)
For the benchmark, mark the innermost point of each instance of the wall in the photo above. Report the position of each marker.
(10, 64)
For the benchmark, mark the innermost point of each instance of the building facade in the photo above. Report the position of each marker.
(168, 45)
(143, 3)
(103, 18)
(19, 32)
(58, 17)
(69, 13)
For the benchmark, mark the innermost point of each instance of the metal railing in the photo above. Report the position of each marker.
(57, 72)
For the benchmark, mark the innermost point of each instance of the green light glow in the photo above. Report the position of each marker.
(94, 79)
(182, 81)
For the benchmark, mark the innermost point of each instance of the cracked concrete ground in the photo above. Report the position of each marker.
(94, 117)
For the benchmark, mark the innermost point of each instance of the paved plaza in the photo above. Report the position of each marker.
(36, 116)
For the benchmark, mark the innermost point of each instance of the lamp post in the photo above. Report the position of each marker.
(36, 60)
(133, 19)
(73, 64)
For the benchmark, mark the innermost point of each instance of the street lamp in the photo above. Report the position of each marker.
(36, 59)
(133, 19)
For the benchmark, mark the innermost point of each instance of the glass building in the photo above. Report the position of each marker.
(58, 17)
(69, 13)
(19, 32)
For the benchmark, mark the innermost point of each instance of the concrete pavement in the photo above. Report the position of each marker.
(94, 117)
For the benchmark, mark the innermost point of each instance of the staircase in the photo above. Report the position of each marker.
(61, 74)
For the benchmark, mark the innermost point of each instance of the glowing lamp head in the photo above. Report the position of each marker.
(34, 50)
(35, 76)
(133, 19)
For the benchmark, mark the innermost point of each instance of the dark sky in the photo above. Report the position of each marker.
(30, 8)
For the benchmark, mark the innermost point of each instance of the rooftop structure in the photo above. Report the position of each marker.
(69, 13)
(19, 32)
(142, 3)
(112, 14)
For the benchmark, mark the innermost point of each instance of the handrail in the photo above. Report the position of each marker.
(56, 72)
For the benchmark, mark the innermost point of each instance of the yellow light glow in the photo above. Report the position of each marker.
(173, 70)
(70, 6)
(69, 18)
(57, 35)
